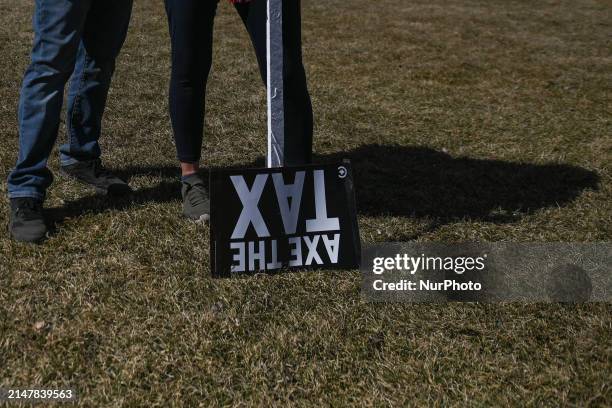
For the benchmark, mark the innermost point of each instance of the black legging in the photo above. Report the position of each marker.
(191, 32)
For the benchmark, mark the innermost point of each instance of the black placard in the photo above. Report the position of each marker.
(267, 220)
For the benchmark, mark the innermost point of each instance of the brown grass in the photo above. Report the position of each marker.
(465, 120)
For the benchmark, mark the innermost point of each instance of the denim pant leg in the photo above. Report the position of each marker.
(57, 27)
(103, 36)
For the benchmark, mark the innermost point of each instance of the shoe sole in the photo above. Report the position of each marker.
(204, 218)
(35, 240)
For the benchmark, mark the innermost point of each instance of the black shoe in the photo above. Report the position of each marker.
(196, 204)
(93, 174)
(27, 223)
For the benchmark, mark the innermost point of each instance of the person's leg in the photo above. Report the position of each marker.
(103, 36)
(58, 26)
(298, 108)
(191, 33)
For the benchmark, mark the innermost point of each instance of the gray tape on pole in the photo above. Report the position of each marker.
(276, 107)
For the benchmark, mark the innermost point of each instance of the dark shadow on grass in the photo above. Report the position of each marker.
(95, 204)
(404, 181)
(422, 182)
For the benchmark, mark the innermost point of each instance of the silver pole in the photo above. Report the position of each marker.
(276, 108)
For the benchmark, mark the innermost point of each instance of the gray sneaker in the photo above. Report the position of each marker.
(196, 204)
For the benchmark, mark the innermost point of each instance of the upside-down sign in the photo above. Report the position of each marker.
(264, 220)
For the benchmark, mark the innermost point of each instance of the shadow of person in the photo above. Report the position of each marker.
(94, 204)
(406, 181)
(422, 182)
(165, 191)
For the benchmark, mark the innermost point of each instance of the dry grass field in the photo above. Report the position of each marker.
(466, 120)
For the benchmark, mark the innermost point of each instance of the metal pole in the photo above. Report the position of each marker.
(276, 108)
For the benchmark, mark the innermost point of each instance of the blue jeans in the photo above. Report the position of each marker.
(76, 40)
